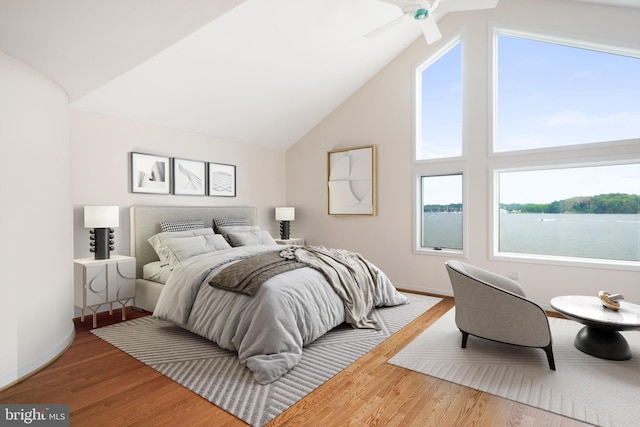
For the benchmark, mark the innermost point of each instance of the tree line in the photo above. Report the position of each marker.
(613, 203)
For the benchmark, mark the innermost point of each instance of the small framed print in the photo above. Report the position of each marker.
(150, 174)
(222, 180)
(189, 177)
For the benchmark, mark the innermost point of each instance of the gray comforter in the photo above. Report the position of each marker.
(269, 329)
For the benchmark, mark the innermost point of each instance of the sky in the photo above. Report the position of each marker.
(554, 95)
(547, 186)
(543, 186)
(547, 95)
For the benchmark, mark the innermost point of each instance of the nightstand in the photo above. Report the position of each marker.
(103, 281)
(291, 241)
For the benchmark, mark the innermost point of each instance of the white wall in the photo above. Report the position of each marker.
(381, 113)
(100, 148)
(35, 221)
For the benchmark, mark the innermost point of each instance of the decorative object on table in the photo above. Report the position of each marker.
(284, 215)
(352, 181)
(222, 180)
(102, 220)
(150, 174)
(610, 301)
(189, 177)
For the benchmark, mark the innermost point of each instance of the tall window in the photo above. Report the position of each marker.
(551, 94)
(439, 105)
(583, 212)
(441, 212)
(555, 95)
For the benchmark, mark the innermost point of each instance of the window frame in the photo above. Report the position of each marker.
(419, 173)
(604, 153)
(494, 215)
(443, 165)
(456, 38)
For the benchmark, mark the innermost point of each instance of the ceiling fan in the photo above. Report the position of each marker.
(422, 11)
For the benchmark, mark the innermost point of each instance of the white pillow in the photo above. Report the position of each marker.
(236, 229)
(183, 248)
(158, 241)
(251, 238)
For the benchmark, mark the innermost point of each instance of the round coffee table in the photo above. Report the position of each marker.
(600, 336)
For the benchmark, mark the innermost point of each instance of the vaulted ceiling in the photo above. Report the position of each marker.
(255, 71)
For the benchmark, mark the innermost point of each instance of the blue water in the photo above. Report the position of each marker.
(600, 236)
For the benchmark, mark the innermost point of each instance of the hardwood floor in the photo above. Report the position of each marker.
(104, 386)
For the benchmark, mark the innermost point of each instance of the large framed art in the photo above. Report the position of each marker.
(351, 176)
(150, 174)
(222, 180)
(189, 177)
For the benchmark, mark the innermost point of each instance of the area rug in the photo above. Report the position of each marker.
(596, 391)
(217, 375)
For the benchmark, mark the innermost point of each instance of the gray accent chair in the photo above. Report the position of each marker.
(494, 307)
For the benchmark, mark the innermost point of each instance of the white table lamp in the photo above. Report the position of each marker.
(284, 215)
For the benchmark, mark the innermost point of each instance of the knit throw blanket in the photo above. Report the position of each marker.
(350, 275)
(247, 275)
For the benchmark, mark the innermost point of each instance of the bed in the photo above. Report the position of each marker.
(268, 323)
(145, 222)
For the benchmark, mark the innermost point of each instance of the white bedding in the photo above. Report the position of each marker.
(269, 329)
(156, 271)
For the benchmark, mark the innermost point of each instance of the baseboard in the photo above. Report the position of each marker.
(430, 291)
(40, 363)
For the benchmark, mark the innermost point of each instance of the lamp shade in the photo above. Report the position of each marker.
(285, 214)
(101, 216)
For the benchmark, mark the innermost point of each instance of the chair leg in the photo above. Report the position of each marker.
(465, 335)
(549, 351)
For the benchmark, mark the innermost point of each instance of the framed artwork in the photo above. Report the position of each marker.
(189, 177)
(150, 174)
(222, 180)
(351, 176)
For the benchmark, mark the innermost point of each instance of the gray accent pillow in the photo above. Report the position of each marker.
(251, 238)
(236, 229)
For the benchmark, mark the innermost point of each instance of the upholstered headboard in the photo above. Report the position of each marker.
(145, 222)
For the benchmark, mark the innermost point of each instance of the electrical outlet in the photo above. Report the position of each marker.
(515, 275)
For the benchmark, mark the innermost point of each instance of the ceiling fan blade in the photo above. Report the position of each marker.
(462, 5)
(385, 27)
(399, 3)
(430, 30)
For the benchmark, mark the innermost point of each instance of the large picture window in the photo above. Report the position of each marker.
(552, 94)
(580, 212)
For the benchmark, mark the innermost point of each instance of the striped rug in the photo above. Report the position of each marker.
(597, 391)
(217, 375)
